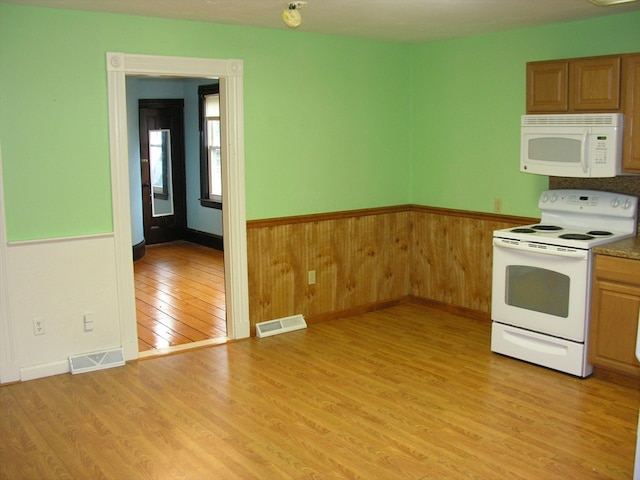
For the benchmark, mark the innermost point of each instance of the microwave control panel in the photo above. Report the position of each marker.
(601, 149)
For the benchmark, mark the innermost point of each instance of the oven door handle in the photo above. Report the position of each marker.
(524, 247)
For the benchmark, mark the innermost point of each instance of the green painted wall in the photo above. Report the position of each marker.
(467, 98)
(326, 118)
(330, 123)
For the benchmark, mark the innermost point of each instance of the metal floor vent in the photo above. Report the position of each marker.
(281, 325)
(88, 362)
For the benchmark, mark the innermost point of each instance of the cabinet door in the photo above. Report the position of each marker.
(595, 84)
(631, 87)
(616, 308)
(547, 87)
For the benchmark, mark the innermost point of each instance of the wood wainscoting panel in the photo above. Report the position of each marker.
(453, 254)
(366, 259)
(359, 260)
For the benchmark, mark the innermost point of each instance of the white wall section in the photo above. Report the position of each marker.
(59, 281)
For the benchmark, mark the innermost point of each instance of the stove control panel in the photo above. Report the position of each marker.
(588, 202)
(623, 203)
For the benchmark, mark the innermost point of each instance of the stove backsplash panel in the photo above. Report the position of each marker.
(627, 184)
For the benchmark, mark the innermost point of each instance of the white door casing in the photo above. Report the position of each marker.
(230, 74)
(9, 371)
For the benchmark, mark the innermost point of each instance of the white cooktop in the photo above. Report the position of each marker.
(579, 218)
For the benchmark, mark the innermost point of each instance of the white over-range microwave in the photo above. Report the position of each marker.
(572, 145)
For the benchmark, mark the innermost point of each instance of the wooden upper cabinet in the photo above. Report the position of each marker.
(631, 89)
(609, 83)
(547, 87)
(594, 84)
(574, 86)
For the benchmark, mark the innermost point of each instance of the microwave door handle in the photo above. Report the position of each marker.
(583, 153)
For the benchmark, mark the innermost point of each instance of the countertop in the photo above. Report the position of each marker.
(627, 248)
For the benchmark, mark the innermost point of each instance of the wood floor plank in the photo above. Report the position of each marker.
(153, 332)
(194, 318)
(174, 307)
(180, 295)
(403, 393)
(25, 438)
(157, 321)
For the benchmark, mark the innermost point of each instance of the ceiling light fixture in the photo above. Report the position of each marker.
(291, 14)
(608, 3)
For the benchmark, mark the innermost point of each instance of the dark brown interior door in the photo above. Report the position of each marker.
(163, 171)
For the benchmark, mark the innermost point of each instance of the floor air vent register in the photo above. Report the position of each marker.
(88, 362)
(281, 325)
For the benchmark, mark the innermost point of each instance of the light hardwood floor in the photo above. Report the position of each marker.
(403, 393)
(180, 295)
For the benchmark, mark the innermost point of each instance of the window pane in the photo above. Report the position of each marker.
(213, 133)
(158, 159)
(212, 105)
(215, 169)
(215, 164)
(210, 148)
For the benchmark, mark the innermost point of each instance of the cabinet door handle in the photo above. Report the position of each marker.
(638, 337)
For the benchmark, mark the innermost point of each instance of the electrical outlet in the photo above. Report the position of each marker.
(38, 326)
(311, 277)
(497, 205)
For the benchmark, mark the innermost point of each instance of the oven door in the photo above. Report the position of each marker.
(541, 288)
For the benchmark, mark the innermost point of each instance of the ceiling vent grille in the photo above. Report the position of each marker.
(88, 362)
(281, 325)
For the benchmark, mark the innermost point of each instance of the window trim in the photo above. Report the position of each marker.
(205, 199)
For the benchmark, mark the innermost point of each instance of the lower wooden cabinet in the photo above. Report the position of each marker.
(615, 308)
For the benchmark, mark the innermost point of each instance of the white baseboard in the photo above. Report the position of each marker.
(44, 370)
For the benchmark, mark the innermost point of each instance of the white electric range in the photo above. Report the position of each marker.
(542, 276)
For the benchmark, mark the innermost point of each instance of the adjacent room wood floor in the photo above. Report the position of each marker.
(180, 295)
(403, 393)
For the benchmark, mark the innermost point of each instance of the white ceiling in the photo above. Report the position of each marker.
(406, 21)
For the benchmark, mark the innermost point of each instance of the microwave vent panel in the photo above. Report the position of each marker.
(281, 325)
(571, 120)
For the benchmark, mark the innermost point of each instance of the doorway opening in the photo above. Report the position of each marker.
(180, 292)
(229, 73)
